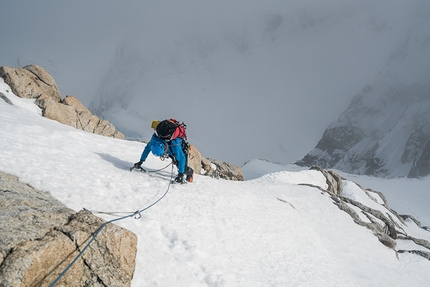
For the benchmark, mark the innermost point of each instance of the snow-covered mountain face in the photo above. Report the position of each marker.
(253, 74)
(385, 131)
(279, 229)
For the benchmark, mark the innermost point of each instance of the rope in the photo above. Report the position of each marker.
(136, 214)
(117, 213)
(114, 213)
(157, 170)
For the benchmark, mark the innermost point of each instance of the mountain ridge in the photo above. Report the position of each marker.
(385, 131)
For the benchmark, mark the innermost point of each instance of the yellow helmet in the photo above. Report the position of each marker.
(154, 124)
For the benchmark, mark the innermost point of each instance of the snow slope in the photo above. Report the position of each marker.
(266, 231)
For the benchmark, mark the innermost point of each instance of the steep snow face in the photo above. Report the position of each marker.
(278, 229)
(270, 66)
(385, 131)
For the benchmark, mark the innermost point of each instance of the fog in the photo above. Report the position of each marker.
(251, 79)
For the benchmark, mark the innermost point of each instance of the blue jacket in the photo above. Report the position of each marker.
(174, 149)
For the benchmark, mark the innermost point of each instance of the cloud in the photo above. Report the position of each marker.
(247, 84)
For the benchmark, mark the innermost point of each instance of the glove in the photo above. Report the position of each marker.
(138, 164)
(180, 178)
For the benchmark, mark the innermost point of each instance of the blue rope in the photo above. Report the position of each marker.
(137, 216)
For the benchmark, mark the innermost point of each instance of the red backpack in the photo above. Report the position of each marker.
(171, 129)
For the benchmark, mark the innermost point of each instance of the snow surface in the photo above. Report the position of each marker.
(265, 231)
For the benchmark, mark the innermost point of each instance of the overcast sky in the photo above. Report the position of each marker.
(285, 87)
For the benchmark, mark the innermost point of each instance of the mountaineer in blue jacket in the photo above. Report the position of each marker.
(169, 141)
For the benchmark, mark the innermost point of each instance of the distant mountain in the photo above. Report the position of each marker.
(385, 131)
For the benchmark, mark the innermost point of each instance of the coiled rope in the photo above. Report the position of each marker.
(136, 214)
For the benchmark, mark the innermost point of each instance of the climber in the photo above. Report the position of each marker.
(169, 140)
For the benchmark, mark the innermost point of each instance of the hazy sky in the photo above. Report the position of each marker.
(284, 87)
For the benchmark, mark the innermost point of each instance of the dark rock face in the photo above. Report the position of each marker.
(40, 236)
(380, 134)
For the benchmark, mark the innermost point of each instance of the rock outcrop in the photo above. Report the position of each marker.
(35, 83)
(385, 223)
(30, 82)
(40, 236)
(195, 159)
(213, 168)
(224, 170)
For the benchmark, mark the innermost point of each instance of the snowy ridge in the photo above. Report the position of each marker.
(267, 231)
